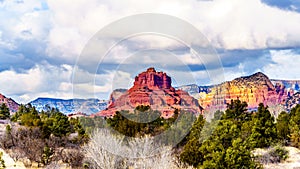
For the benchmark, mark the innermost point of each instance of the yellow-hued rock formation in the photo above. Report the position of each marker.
(253, 89)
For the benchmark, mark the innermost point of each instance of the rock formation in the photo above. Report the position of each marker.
(292, 101)
(153, 89)
(10, 103)
(253, 89)
(291, 86)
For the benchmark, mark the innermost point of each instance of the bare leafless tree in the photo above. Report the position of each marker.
(107, 149)
(29, 142)
(99, 152)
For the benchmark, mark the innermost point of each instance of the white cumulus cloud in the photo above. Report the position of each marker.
(285, 65)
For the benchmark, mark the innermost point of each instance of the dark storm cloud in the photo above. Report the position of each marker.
(26, 54)
(23, 57)
(252, 59)
(14, 61)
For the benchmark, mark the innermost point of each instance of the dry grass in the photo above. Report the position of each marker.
(10, 163)
(292, 162)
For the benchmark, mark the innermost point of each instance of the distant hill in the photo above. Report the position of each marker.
(11, 104)
(87, 106)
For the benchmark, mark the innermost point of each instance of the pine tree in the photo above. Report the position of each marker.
(237, 111)
(191, 153)
(282, 126)
(60, 124)
(4, 112)
(226, 147)
(264, 130)
(294, 126)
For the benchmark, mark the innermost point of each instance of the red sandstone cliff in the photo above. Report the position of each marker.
(10, 103)
(154, 89)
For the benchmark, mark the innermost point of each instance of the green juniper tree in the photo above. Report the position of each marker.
(264, 130)
(282, 126)
(4, 112)
(294, 126)
(191, 151)
(226, 147)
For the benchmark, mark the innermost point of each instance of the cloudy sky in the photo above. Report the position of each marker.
(47, 48)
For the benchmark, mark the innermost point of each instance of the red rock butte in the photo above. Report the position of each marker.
(153, 89)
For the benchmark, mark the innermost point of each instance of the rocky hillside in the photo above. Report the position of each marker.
(253, 89)
(12, 105)
(87, 106)
(292, 101)
(289, 84)
(154, 89)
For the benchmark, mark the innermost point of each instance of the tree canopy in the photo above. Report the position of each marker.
(4, 112)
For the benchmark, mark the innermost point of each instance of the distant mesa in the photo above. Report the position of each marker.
(154, 89)
(10, 103)
(70, 106)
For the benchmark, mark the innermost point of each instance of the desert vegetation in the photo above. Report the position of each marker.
(44, 137)
(134, 140)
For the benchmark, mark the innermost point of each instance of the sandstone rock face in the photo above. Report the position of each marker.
(291, 86)
(10, 103)
(154, 89)
(292, 101)
(152, 80)
(253, 89)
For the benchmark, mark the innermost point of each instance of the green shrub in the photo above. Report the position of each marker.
(279, 154)
(275, 154)
(4, 111)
